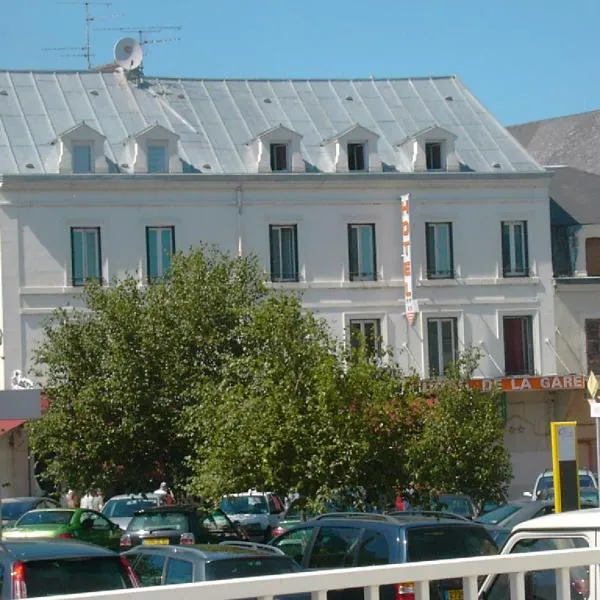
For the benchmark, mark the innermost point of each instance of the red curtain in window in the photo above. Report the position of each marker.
(514, 356)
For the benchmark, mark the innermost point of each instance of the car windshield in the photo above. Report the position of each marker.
(125, 507)
(13, 509)
(46, 517)
(177, 521)
(499, 514)
(246, 504)
(249, 566)
(459, 505)
(74, 576)
(439, 543)
(547, 481)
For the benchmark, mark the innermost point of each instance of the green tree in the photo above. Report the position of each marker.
(460, 446)
(120, 371)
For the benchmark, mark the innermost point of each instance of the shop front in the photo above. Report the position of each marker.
(531, 403)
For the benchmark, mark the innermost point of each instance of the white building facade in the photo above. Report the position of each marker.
(105, 176)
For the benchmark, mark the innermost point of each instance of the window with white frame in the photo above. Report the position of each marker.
(365, 331)
(442, 344)
(283, 240)
(160, 246)
(85, 255)
(515, 257)
(279, 157)
(157, 158)
(356, 157)
(434, 156)
(440, 260)
(82, 157)
(361, 246)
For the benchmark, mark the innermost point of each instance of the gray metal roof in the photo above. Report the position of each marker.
(215, 119)
(572, 140)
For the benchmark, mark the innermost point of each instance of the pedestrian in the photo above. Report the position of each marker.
(86, 501)
(71, 499)
(164, 494)
(97, 500)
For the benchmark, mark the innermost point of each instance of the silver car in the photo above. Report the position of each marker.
(120, 509)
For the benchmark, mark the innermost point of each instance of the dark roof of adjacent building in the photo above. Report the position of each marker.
(216, 119)
(570, 147)
(572, 140)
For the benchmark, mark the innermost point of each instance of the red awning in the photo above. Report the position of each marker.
(7, 424)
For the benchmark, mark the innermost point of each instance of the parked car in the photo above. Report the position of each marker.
(185, 524)
(459, 504)
(47, 568)
(165, 565)
(120, 509)
(366, 539)
(66, 523)
(296, 512)
(558, 531)
(258, 512)
(14, 508)
(545, 480)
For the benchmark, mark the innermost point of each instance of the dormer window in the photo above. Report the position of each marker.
(434, 156)
(82, 157)
(354, 149)
(279, 157)
(81, 150)
(157, 158)
(152, 150)
(431, 149)
(276, 150)
(356, 157)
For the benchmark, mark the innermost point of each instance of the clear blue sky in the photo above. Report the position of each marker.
(524, 59)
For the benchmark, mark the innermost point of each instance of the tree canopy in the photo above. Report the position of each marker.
(216, 383)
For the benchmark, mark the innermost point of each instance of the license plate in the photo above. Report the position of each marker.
(454, 595)
(164, 541)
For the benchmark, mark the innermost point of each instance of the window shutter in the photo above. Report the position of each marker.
(295, 246)
(432, 347)
(374, 252)
(505, 248)
(430, 249)
(77, 257)
(525, 250)
(353, 251)
(274, 248)
(151, 252)
(451, 250)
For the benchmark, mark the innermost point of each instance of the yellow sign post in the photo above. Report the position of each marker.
(564, 465)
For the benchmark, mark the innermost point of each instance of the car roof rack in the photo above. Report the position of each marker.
(356, 515)
(253, 546)
(435, 514)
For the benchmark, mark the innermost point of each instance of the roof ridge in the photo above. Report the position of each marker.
(549, 119)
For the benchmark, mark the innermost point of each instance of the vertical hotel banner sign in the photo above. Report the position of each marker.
(407, 268)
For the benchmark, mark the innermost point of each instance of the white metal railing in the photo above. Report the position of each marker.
(370, 578)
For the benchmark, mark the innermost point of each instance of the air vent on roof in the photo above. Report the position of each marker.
(449, 99)
(94, 93)
(497, 166)
(181, 96)
(206, 166)
(30, 166)
(124, 166)
(267, 101)
(3, 93)
(349, 98)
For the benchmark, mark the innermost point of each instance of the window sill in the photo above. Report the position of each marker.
(478, 281)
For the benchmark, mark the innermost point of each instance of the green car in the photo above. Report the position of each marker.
(67, 523)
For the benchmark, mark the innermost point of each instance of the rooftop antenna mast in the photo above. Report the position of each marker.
(86, 51)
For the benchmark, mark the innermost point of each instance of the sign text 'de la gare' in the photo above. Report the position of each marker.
(527, 383)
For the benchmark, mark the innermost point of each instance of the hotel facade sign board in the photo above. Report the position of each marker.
(528, 383)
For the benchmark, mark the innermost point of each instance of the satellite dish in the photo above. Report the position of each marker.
(128, 53)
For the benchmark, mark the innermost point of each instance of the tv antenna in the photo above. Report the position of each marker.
(143, 32)
(86, 50)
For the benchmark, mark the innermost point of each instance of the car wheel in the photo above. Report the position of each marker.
(268, 534)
